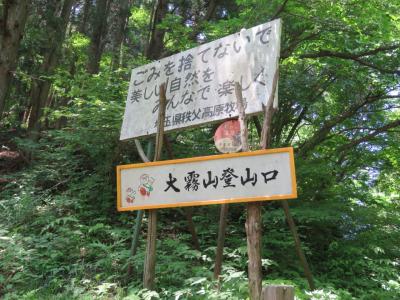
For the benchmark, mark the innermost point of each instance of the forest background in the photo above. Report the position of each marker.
(64, 73)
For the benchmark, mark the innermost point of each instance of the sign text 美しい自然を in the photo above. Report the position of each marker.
(200, 82)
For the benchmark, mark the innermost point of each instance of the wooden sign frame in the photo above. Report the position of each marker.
(210, 201)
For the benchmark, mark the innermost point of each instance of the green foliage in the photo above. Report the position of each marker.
(61, 237)
(179, 38)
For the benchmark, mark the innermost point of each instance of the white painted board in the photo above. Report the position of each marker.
(238, 177)
(200, 82)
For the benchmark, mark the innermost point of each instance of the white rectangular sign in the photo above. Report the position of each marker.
(227, 178)
(200, 82)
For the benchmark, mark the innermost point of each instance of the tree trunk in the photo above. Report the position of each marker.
(12, 25)
(97, 43)
(150, 258)
(82, 28)
(4, 83)
(155, 47)
(211, 6)
(209, 10)
(41, 87)
(121, 21)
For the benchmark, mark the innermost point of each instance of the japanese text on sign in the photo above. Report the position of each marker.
(240, 177)
(200, 82)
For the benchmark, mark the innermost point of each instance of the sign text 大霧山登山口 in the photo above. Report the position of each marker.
(227, 178)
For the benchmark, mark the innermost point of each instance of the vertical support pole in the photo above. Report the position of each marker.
(269, 111)
(253, 218)
(224, 207)
(265, 142)
(253, 232)
(219, 252)
(242, 117)
(150, 259)
(160, 126)
(297, 242)
(135, 240)
(188, 211)
(140, 213)
(278, 292)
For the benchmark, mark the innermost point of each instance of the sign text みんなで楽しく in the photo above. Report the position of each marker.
(200, 82)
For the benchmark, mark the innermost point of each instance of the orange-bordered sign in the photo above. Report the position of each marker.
(226, 178)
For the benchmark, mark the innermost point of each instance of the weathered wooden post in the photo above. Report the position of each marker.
(150, 259)
(219, 253)
(225, 207)
(297, 243)
(265, 142)
(187, 211)
(140, 213)
(253, 217)
(253, 232)
(278, 292)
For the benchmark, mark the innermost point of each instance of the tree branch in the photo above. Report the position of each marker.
(212, 5)
(325, 129)
(295, 125)
(280, 9)
(355, 56)
(370, 136)
(322, 88)
(285, 53)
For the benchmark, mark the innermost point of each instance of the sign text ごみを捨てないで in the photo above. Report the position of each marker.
(200, 82)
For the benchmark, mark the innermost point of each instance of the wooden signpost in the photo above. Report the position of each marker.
(235, 76)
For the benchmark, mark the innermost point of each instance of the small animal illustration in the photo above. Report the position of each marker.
(131, 195)
(146, 185)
